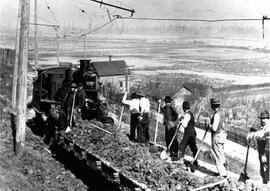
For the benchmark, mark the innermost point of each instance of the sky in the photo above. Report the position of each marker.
(69, 11)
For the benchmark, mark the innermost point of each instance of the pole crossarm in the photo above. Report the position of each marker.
(115, 6)
(45, 25)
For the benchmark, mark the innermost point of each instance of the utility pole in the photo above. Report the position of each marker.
(15, 70)
(22, 76)
(57, 44)
(126, 77)
(84, 43)
(35, 38)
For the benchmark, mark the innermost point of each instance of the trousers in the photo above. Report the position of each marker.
(143, 129)
(169, 133)
(218, 140)
(133, 125)
(189, 139)
(264, 166)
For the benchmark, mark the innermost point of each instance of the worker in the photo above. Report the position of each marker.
(69, 106)
(262, 137)
(169, 120)
(144, 121)
(219, 135)
(134, 113)
(189, 138)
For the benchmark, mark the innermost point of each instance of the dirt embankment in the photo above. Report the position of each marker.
(35, 169)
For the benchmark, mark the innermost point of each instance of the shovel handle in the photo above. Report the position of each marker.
(174, 135)
(156, 129)
(200, 147)
(121, 115)
(72, 109)
(245, 168)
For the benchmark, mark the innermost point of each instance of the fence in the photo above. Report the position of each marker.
(6, 72)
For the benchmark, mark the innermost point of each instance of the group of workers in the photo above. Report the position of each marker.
(139, 121)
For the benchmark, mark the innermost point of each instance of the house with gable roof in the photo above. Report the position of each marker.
(112, 74)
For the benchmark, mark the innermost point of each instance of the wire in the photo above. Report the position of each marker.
(53, 15)
(187, 20)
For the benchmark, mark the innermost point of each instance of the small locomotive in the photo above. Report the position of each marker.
(53, 85)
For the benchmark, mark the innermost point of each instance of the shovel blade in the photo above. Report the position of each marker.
(164, 155)
(243, 177)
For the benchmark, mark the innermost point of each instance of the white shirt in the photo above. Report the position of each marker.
(133, 104)
(145, 105)
(262, 133)
(216, 122)
(186, 119)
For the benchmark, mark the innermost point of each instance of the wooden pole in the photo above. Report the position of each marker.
(126, 78)
(35, 38)
(84, 44)
(57, 44)
(22, 76)
(15, 70)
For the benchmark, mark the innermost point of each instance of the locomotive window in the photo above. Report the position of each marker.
(121, 84)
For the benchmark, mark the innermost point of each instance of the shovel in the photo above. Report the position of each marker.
(163, 154)
(72, 110)
(155, 148)
(120, 119)
(243, 176)
(193, 166)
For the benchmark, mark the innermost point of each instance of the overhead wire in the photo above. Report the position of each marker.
(90, 32)
(53, 15)
(190, 20)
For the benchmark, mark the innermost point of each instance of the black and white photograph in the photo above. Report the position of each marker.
(134, 95)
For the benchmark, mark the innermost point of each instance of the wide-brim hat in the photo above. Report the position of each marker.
(186, 105)
(134, 95)
(264, 115)
(140, 93)
(214, 101)
(168, 99)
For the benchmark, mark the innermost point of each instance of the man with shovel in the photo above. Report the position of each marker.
(170, 117)
(69, 106)
(144, 120)
(189, 138)
(219, 135)
(262, 137)
(134, 113)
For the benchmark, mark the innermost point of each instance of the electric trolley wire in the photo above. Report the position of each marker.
(189, 20)
(53, 15)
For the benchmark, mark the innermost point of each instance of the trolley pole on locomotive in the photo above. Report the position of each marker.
(22, 76)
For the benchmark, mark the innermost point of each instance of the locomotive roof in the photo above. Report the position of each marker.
(50, 67)
(110, 68)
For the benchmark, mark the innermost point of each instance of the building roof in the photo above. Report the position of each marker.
(110, 68)
(197, 89)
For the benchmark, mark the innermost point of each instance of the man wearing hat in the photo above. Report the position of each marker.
(219, 135)
(144, 121)
(134, 113)
(262, 137)
(189, 138)
(69, 105)
(170, 117)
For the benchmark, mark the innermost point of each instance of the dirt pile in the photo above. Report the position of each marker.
(35, 169)
(135, 161)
